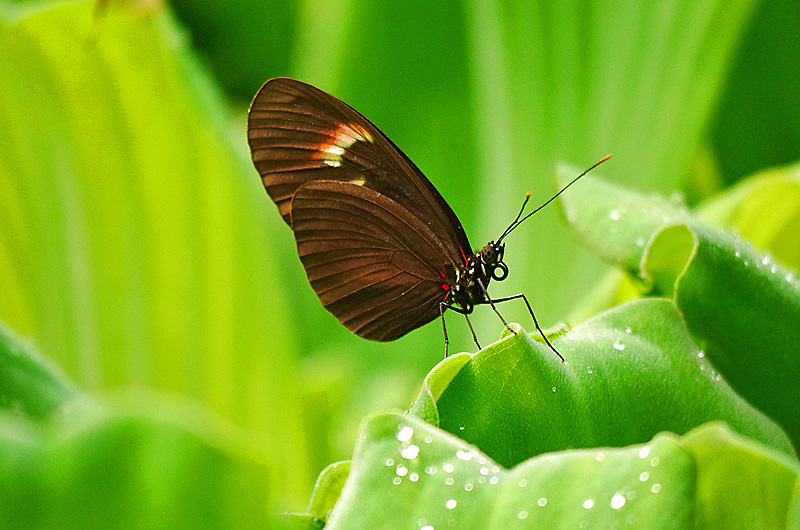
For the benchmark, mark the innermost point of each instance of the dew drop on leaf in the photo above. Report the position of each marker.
(405, 433)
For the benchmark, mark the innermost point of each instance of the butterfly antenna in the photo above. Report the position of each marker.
(522, 209)
(517, 221)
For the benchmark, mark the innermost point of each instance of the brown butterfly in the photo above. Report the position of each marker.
(381, 247)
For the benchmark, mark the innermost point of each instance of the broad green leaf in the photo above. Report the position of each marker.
(408, 474)
(757, 122)
(124, 468)
(742, 304)
(134, 244)
(764, 209)
(28, 386)
(631, 373)
(563, 81)
(740, 484)
(327, 490)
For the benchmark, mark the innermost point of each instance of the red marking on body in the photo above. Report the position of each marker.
(441, 273)
(466, 262)
(445, 286)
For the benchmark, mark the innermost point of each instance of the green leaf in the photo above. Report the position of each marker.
(28, 386)
(560, 81)
(631, 372)
(409, 474)
(125, 468)
(757, 122)
(740, 484)
(327, 490)
(764, 209)
(739, 301)
(134, 235)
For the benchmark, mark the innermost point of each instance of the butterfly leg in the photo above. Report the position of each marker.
(474, 336)
(530, 310)
(445, 305)
(442, 307)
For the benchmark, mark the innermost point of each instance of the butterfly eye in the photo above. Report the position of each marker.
(503, 268)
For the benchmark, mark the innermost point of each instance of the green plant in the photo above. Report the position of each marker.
(203, 386)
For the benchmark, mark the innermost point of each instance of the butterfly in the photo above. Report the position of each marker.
(382, 249)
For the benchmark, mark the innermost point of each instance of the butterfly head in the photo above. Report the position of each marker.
(491, 257)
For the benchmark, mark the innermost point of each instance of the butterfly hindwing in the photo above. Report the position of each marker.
(375, 266)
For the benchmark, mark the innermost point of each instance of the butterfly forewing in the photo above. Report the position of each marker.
(376, 267)
(300, 134)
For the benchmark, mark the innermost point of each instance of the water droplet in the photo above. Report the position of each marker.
(589, 369)
(389, 462)
(654, 462)
(738, 253)
(428, 439)
(449, 481)
(405, 433)
(542, 501)
(465, 455)
(495, 469)
(481, 460)
(431, 470)
(413, 477)
(397, 480)
(630, 519)
(619, 346)
(554, 389)
(523, 483)
(628, 330)
(766, 259)
(773, 269)
(701, 354)
(639, 241)
(452, 503)
(584, 524)
(451, 523)
(644, 475)
(461, 428)
(427, 527)
(422, 522)
(588, 504)
(599, 457)
(656, 488)
(468, 486)
(644, 452)
(484, 470)
(401, 470)
(410, 452)
(448, 468)
(618, 501)
(494, 480)
(614, 215)
(522, 515)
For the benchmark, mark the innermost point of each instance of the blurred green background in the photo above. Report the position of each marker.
(139, 251)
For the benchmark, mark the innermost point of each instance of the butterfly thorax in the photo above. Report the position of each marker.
(473, 279)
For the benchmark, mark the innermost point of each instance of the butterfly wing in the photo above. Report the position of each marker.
(300, 134)
(377, 268)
